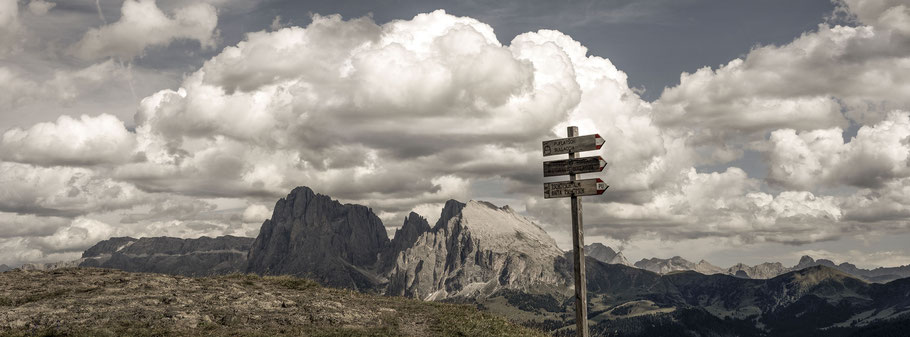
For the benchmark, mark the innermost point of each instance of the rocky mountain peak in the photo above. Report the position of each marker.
(312, 235)
(805, 261)
(475, 249)
(707, 268)
(413, 226)
(605, 254)
(825, 262)
(451, 210)
(598, 248)
(503, 231)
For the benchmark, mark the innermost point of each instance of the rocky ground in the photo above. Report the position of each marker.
(103, 302)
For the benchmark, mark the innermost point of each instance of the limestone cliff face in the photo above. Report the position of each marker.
(108, 247)
(313, 236)
(473, 250)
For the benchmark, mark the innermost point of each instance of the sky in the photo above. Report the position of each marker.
(745, 131)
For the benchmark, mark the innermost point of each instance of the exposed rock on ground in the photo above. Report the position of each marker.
(104, 302)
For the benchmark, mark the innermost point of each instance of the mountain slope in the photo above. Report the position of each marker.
(103, 302)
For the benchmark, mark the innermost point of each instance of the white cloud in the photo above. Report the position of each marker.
(40, 7)
(57, 241)
(66, 86)
(289, 94)
(882, 209)
(256, 213)
(814, 82)
(86, 141)
(62, 191)
(809, 159)
(16, 225)
(80, 234)
(11, 29)
(887, 14)
(263, 127)
(16, 88)
(407, 114)
(142, 25)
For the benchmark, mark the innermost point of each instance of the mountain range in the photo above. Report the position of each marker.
(500, 261)
(768, 269)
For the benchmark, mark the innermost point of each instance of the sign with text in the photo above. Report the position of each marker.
(577, 188)
(573, 166)
(572, 144)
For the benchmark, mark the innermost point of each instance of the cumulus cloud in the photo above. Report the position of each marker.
(263, 127)
(17, 89)
(86, 141)
(51, 239)
(65, 86)
(68, 85)
(10, 28)
(351, 108)
(878, 154)
(40, 7)
(170, 208)
(404, 115)
(820, 80)
(723, 205)
(142, 25)
(886, 208)
(25, 225)
(63, 191)
(256, 213)
(80, 234)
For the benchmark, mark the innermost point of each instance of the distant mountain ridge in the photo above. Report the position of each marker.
(769, 270)
(189, 257)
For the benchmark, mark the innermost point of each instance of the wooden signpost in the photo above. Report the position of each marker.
(573, 166)
(573, 189)
(572, 144)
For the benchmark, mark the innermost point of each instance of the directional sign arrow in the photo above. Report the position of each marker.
(572, 144)
(573, 166)
(565, 189)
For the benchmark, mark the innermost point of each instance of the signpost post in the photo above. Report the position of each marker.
(573, 189)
